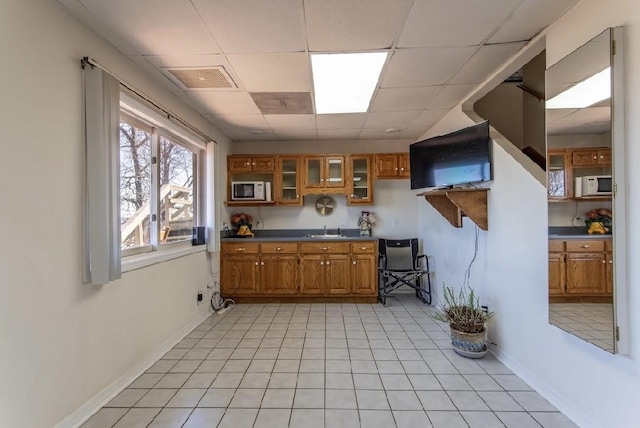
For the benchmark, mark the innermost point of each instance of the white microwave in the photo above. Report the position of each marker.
(250, 191)
(593, 185)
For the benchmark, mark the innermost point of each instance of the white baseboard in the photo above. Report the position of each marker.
(89, 408)
(576, 415)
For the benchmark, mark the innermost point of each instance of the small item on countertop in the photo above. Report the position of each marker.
(597, 227)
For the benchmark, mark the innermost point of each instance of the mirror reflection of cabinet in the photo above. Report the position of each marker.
(583, 140)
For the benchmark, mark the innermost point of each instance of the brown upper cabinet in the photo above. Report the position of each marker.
(360, 180)
(288, 189)
(324, 174)
(590, 157)
(392, 165)
(238, 164)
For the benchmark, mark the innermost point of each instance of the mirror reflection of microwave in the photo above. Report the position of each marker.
(593, 185)
(250, 191)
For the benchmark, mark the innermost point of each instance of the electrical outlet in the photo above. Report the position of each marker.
(258, 224)
(200, 296)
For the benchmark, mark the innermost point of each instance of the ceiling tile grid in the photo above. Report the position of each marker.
(438, 51)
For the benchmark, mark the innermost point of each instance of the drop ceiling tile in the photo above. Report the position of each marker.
(288, 72)
(424, 67)
(291, 121)
(187, 60)
(450, 96)
(484, 62)
(422, 123)
(341, 121)
(338, 134)
(255, 26)
(226, 103)
(391, 119)
(338, 25)
(530, 18)
(251, 122)
(163, 27)
(296, 134)
(377, 134)
(246, 135)
(402, 99)
(453, 23)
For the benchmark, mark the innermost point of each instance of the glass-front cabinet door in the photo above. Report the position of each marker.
(361, 180)
(558, 174)
(289, 186)
(334, 176)
(313, 171)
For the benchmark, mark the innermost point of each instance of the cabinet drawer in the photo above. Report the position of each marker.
(588, 246)
(240, 247)
(556, 245)
(325, 247)
(279, 248)
(363, 247)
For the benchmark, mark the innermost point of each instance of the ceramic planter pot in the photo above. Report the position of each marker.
(471, 345)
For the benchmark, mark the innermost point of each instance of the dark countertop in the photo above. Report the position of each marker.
(297, 235)
(575, 232)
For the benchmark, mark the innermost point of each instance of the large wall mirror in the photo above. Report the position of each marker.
(580, 167)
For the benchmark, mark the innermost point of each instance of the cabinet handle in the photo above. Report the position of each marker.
(401, 169)
(363, 248)
(247, 164)
(278, 248)
(254, 164)
(328, 263)
(324, 248)
(601, 157)
(256, 263)
(610, 261)
(321, 263)
(584, 246)
(261, 263)
(604, 261)
(241, 249)
(354, 262)
(395, 169)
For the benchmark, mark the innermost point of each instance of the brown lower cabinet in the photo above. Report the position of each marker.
(580, 268)
(307, 269)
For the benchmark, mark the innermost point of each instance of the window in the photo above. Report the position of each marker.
(158, 181)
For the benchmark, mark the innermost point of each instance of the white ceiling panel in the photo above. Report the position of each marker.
(339, 134)
(288, 72)
(339, 25)
(453, 23)
(156, 27)
(341, 121)
(251, 122)
(226, 103)
(391, 119)
(582, 121)
(450, 96)
(531, 17)
(424, 67)
(245, 135)
(297, 134)
(254, 26)
(291, 121)
(423, 122)
(402, 99)
(485, 61)
(378, 134)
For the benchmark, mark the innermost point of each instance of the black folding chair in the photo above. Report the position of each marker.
(400, 264)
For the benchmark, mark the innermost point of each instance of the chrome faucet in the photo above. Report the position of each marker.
(325, 229)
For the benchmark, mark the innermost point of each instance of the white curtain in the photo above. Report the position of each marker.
(102, 195)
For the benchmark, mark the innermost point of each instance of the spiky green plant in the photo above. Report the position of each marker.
(462, 311)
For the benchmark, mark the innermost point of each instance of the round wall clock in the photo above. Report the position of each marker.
(325, 205)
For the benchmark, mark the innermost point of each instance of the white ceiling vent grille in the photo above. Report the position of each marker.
(203, 77)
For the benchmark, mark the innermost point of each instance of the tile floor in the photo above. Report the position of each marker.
(592, 322)
(325, 365)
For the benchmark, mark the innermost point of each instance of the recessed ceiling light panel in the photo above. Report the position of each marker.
(344, 83)
(584, 94)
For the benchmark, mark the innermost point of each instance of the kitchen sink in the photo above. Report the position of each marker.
(326, 236)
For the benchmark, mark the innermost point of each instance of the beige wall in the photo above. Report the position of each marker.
(503, 108)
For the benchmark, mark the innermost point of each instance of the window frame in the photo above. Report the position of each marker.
(155, 246)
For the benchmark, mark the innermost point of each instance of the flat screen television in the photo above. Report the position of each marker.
(461, 157)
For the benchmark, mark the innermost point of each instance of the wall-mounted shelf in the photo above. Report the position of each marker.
(452, 204)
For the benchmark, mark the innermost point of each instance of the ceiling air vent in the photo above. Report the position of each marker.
(283, 102)
(203, 77)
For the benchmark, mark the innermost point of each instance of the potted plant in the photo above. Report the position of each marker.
(597, 220)
(466, 320)
(242, 222)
